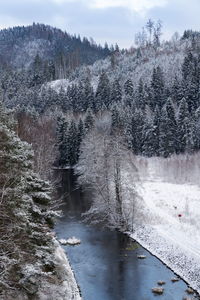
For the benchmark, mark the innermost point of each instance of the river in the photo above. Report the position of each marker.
(106, 263)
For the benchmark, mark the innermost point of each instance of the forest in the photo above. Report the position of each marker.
(93, 109)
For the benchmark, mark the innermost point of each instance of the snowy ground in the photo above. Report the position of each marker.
(59, 285)
(66, 288)
(171, 228)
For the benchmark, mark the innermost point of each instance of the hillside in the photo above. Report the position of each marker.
(20, 45)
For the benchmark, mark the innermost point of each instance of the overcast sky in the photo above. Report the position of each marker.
(104, 20)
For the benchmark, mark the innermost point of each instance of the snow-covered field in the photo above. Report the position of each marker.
(171, 228)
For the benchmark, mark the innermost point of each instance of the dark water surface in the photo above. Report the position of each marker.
(105, 263)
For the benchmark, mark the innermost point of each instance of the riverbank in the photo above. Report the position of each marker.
(64, 287)
(170, 227)
(53, 285)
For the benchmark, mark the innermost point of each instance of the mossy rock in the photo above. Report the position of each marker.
(132, 246)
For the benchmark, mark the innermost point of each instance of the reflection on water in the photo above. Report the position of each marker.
(105, 263)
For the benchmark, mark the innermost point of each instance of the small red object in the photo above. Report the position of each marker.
(180, 215)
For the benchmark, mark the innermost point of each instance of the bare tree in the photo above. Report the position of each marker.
(141, 38)
(40, 132)
(150, 29)
(102, 167)
(157, 33)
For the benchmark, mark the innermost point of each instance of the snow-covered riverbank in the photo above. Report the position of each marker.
(170, 227)
(65, 287)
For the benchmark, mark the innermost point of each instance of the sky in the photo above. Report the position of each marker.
(114, 21)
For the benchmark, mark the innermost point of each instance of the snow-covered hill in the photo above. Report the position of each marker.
(135, 65)
(20, 45)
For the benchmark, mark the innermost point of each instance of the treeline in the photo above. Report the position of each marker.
(69, 137)
(154, 120)
(18, 47)
(156, 116)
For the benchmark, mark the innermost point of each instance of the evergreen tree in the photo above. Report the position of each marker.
(25, 213)
(196, 136)
(88, 96)
(62, 142)
(166, 138)
(149, 134)
(183, 116)
(177, 91)
(157, 85)
(116, 122)
(89, 121)
(80, 136)
(72, 144)
(141, 95)
(128, 88)
(156, 123)
(116, 92)
(103, 92)
(172, 123)
(190, 83)
(137, 125)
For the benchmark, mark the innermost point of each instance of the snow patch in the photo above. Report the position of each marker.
(71, 241)
(58, 84)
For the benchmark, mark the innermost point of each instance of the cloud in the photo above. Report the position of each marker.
(62, 1)
(104, 20)
(9, 21)
(139, 6)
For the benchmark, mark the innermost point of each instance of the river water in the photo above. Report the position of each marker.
(105, 264)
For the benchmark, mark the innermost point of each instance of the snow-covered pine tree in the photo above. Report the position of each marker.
(156, 123)
(80, 135)
(149, 132)
(183, 115)
(116, 92)
(88, 95)
(157, 85)
(62, 145)
(72, 144)
(103, 92)
(128, 88)
(167, 134)
(89, 121)
(26, 247)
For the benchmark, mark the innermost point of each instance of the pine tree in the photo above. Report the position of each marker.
(89, 121)
(129, 135)
(197, 129)
(25, 213)
(62, 143)
(137, 125)
(128, 88)
(149, 135)
(80, 136)
(72, 144)
(177, 91)
(190, 74)
(103, 92)
(141, 95)
(116, 122)
(166, 137)
(183, 116)
(156, 123)
(116, 92)
(157, 85)
(88, 95)
(172, 123)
